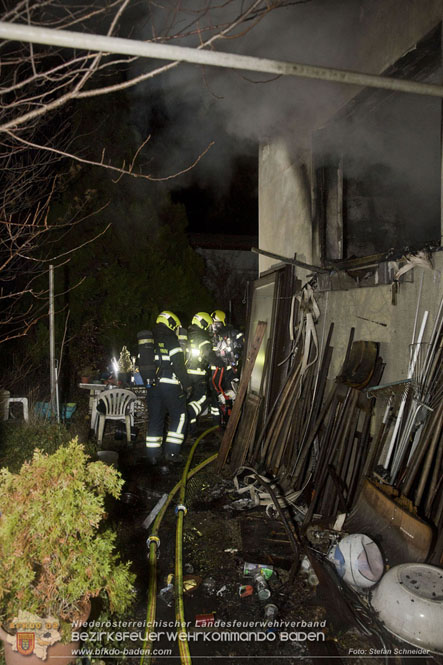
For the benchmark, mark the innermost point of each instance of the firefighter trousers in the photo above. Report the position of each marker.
(199, 402)
(219, 383)
(165, 401)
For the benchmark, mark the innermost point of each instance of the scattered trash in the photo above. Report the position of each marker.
(308, 570)
(245, 590)
(199, 533)
(220, 490)
(240, 504)
(204, 620)
(231, 550)
(251, 569)
(189, 568)
(261, 586)
(221, 591)
(305, 564)
(190, 583)
(167, 594)
(313, 579)
(271, 612)
(209, 585)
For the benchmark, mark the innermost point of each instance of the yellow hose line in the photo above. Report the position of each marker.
(183, 647)
(185, 656)
(152, 563)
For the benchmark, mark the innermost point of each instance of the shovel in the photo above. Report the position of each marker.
(359, 364)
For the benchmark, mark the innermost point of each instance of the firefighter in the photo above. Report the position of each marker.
(200, 357)
(167, 397)
(228, 342)
(182, 335)
(228, 347)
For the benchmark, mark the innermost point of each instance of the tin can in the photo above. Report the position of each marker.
(263, 591)
(271, 612)
(245, 590)
(204, 620)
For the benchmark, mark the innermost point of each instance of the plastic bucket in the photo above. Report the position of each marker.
(109, 457)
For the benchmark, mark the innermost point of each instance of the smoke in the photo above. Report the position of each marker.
(191, 106)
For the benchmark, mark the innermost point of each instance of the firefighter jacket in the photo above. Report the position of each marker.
(200, 353)
(170, 357)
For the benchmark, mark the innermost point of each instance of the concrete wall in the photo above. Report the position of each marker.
(284, 204)
(375, 303)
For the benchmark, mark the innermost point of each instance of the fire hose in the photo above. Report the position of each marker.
(154, 545)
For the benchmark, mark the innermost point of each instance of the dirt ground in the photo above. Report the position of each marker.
(218, 539)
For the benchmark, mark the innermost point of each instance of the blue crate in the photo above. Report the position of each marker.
(44, 410)
(67, 410)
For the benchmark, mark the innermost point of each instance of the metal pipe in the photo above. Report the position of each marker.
(403, 402)
(418, 306)
(101, 43)
(434, 479)
(429, 457)
(57, 400)
(52, 375)
(416, 461)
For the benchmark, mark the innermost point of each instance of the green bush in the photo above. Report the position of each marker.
(19, 440)
(54, 555)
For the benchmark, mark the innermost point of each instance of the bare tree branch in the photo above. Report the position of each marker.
(38, 148)
(121, 170)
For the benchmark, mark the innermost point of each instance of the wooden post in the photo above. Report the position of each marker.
(241, 393)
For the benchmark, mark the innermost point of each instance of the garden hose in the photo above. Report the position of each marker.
(185, 656)
(153, 547)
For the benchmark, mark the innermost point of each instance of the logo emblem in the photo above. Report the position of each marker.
(25, 643)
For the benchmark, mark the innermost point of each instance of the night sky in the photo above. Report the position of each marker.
(235, 212)
(220, 193)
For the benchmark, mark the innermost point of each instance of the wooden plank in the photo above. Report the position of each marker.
(241, 394)
(245, 435)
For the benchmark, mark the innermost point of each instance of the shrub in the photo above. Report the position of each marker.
(54, 554)
(19, 440)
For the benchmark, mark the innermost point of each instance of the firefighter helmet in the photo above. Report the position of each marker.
(168, 319)
(219, 315)
(202, 320)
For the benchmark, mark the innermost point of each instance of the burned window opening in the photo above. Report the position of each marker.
(377, 167)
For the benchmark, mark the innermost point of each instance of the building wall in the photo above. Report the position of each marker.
(380, 32)
(386, 31)
(284, 204)
(344, 309)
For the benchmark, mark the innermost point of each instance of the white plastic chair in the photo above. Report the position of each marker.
(117, 403)
(24, 402)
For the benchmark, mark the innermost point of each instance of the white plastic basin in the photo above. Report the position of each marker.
(409, 602)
